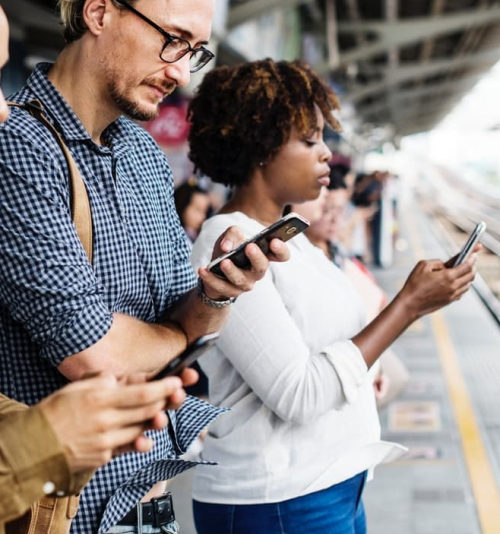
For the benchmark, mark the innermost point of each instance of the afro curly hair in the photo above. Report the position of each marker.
(242, 116)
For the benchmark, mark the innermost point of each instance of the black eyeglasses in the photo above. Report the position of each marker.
(175, 48)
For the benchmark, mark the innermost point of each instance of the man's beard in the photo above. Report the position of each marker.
(130, 108)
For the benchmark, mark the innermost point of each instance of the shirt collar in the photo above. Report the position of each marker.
(63, 115)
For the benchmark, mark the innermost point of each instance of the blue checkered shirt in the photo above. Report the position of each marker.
(54, 304)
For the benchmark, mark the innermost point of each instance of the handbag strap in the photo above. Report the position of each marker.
(79, 200)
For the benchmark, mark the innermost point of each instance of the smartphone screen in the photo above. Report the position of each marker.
(188, 356)
(470, 243)
(286, 228)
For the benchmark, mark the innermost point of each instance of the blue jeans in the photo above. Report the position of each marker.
(335, 510)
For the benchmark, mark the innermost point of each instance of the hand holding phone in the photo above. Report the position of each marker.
(284, 229)
(470, 243)
(188, 356)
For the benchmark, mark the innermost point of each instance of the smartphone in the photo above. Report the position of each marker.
(470, 243)
(192, 352)
(287, 227)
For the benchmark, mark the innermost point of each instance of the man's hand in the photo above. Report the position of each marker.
(239, 280)
(99, 417)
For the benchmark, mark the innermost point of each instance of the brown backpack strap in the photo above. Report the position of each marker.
(79, 199)
(49, 515)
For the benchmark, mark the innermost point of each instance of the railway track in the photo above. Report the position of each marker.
(456, 207)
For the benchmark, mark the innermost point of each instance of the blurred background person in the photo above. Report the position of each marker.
(193, 205)
(354, 234)
(391, 376)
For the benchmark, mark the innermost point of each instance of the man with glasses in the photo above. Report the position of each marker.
(139, 304)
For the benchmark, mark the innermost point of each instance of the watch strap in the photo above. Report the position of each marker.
(200, 291)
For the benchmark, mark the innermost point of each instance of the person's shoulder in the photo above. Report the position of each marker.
(21, 127)
(25, 141)
(29, 150)
(133, 130)
(145, 151)
(222, 221)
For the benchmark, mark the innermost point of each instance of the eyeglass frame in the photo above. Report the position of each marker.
(169, 38)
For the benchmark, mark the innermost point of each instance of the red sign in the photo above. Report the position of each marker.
(171, 126)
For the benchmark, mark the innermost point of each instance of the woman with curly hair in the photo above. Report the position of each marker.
(292, 362)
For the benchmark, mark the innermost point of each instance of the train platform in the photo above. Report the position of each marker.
(447, 416)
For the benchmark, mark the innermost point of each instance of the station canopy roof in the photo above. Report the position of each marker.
(403, 63)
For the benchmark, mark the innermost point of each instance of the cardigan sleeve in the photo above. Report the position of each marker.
(267, 348)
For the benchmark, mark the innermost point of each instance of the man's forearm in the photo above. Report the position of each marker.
(196, 318)
(129, 346)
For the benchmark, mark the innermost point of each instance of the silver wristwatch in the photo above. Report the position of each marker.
(200, 291)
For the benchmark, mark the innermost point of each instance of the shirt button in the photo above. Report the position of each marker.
(49, 488)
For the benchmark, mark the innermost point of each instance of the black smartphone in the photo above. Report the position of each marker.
(188, 356)
(470, 243)
(287, 227)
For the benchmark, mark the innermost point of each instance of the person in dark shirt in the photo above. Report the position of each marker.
(53, 447)
(140, 302)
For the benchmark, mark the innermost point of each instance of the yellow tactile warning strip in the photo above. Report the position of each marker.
(484, 486)
(483, 483)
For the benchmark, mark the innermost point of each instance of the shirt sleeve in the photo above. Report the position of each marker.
(32, 461)
(47, 283)
(183, 275)
(266, 347)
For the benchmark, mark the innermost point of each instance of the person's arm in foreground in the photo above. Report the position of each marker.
(293, 382)
(132, 345)
(72, 322)
(430, 286)
(75, 430)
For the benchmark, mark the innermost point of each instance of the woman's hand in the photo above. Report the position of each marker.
(431, 285)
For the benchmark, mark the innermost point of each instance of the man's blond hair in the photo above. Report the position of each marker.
(71, 12)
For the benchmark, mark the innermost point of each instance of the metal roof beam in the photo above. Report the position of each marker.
(418, 114)
(407, 31)
(422, 27)
(415, 127)
(391, 13)
(428, 118)
(331, 35)
(407, 115)
(437, 8)
(444, 89)
(409, 71)
(252, 9)
(412, 125)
